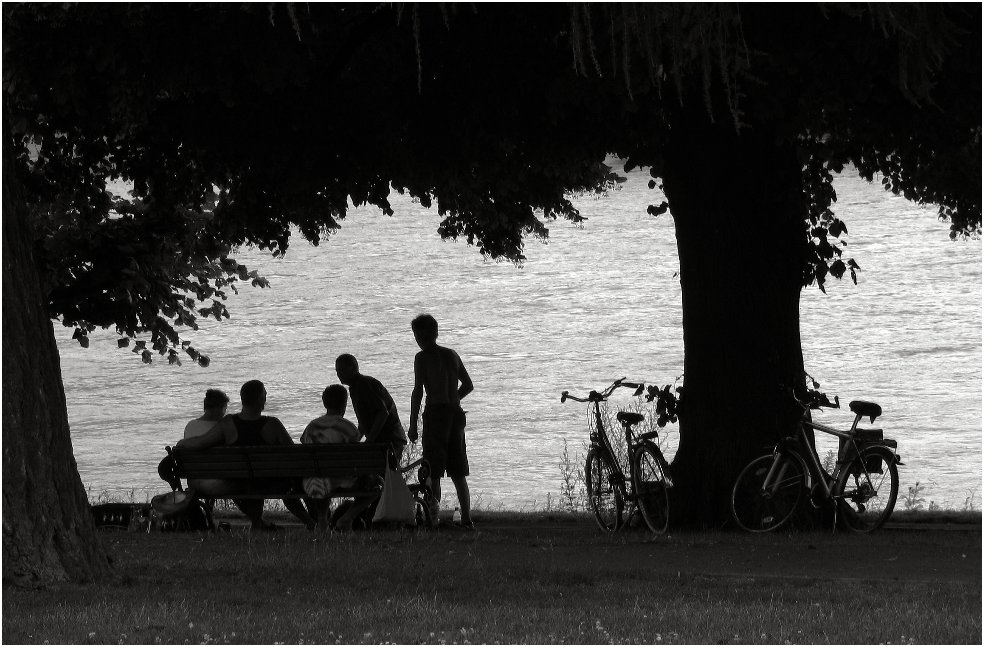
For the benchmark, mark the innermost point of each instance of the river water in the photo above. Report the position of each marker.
(594, 304)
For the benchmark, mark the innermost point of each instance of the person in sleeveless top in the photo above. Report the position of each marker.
(247, 428)
(439, 372)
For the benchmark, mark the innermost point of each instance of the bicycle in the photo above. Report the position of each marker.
(606, 481)
(863, 487)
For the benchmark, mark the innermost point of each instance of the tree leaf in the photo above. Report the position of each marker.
(658, 210)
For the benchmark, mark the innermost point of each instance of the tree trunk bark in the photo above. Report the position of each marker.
(48, 531)
(739, 214)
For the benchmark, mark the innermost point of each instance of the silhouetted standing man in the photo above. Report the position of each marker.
(440, 372)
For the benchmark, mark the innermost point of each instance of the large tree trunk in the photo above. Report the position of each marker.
(739, 213)
(48, 532)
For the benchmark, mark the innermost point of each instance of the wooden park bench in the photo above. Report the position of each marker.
(263, 463)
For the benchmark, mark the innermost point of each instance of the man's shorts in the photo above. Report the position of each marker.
(443, 441)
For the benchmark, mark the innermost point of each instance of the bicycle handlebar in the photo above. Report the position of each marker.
(595, 396)
(815, 400)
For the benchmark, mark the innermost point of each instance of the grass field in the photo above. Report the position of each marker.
(519, 579)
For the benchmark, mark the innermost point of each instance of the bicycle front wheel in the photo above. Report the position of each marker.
(650, 484)
(868, 488)
(604, 492)
(767, 493)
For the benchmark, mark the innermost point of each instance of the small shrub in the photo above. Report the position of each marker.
(913, 500)
(829, 461)
(972, 502)
(572, 490)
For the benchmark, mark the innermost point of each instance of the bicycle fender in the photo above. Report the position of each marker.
(664, 465)
(807, 475)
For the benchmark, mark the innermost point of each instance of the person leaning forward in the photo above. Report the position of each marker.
(374, 408)
(247, 428)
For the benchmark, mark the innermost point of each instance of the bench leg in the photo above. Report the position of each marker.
(253, 509)
(298, 509)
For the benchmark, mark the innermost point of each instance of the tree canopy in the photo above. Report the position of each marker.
(235, 124)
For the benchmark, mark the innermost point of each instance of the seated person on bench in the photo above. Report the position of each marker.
(247, 428)
(216, 405)
(333, 428)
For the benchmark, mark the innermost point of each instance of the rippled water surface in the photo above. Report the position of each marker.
(594, 304)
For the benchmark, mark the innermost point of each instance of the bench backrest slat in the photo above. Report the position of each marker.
(282, 461)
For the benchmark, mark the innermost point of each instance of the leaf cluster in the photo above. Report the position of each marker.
(139, 265)
(667, 402)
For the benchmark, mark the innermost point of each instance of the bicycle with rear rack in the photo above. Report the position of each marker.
(646, 486)
(862, 489)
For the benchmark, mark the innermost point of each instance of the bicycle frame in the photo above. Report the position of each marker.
(805, 451)
(599, 438)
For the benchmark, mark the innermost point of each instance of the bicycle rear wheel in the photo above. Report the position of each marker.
(604, 493)
(421, 514)
(757, 506)
(868, 489)
(650, 484)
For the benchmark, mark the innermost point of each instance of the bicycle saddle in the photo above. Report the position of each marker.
(628, 418)
(863, 408)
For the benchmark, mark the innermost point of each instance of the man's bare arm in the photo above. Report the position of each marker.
(466, 383)
(275, 433)
(211, 438)
(416, 397)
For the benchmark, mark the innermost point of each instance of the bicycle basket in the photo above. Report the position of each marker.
(862, 438)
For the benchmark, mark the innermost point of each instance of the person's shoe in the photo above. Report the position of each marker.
(465, 525)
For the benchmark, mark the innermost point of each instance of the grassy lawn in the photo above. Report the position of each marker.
(517, 580)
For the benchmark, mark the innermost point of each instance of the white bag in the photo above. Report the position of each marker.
(396, 502)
